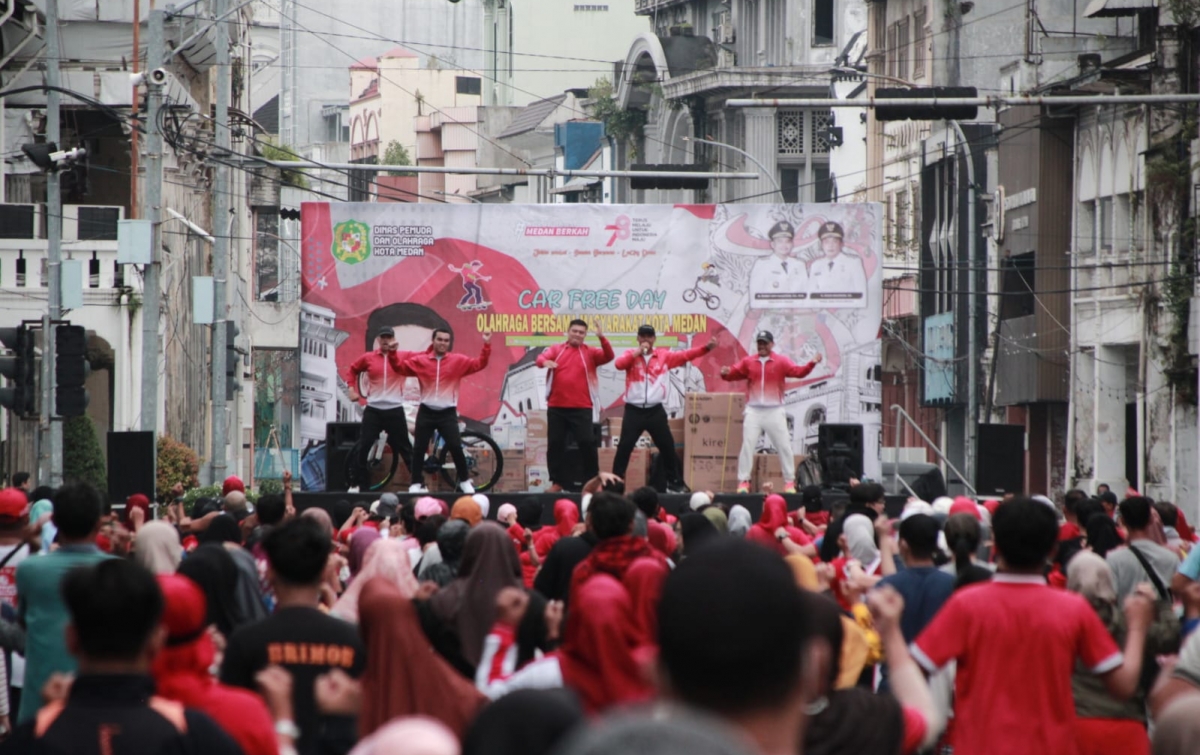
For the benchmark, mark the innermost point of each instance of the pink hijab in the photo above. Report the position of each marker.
(385, 558)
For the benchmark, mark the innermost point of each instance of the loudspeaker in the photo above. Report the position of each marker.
(840, 449)
(340, 438)
(1000, 459)
(131, 461)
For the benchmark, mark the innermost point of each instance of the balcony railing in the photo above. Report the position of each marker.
(89, 234)
(649, 6)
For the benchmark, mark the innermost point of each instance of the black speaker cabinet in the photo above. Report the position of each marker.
(340, 438)
(131, 465)
(840, 449)
(1000, 459)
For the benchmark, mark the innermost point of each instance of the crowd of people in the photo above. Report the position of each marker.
(419, 627)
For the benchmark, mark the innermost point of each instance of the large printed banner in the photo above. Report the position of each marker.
(810, 274)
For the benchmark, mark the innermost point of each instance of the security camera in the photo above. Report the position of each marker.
(137, 79)
(159, 77)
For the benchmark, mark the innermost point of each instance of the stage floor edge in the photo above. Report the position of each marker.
(340, 505)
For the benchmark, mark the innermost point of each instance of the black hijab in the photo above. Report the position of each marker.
(696, 529)
(222, 529)
(1102, 535)
(212, 569)
(525, 722)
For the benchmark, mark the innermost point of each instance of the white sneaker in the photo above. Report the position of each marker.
(352, 489)
(466, 487)
(417, 487)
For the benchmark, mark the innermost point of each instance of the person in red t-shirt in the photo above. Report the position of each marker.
(573, 398)
(1016, 641)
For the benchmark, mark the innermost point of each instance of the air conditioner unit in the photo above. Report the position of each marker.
(726, 34)
(84, 222)
(726, 58)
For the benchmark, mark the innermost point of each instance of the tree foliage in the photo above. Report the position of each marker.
(83, 460)
(177, 463)
(397, 154)
(272, 150)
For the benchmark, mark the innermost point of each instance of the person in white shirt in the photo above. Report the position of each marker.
(836, 279)
(779, 280)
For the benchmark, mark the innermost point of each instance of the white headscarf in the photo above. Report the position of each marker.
(860, 539)
(740, 521)
(484, 503)
(915, 507)
(699, 499)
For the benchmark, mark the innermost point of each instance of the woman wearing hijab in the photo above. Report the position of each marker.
(694, 531)
(662, 537)
(468, 510)
(135, 502)
(644, 582)
(1104, 726)
(213, 570)
(566, 516)
(158, 548)
(451, 540)
(412, 735)
(360, 542)
(861, 563)
(527, 722)
(718, 519)
(527, 626)
(740, 521)
(225, 531)
(181, 670)
(406, 676)
(598, 658)
(772, 523)
(461, 614)
(385, 559)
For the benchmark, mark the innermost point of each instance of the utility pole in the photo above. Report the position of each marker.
(50, 469)
(152, 211)
(220, 265)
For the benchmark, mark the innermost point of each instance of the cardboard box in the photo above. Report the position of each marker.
(509, 437)
(637, 474)
(537, 478)
(718, 474)
(767, 469)
(536, 438)
(514, 477)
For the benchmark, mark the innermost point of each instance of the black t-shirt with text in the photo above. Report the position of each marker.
(307, 643)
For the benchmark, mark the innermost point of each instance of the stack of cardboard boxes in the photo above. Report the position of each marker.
(708, 439)
(712, 440)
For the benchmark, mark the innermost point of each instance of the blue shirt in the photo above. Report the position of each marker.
(1190, 567)
(925, 590)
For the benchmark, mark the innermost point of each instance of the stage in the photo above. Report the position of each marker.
(340, 505)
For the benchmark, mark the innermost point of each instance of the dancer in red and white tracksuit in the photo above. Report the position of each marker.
(765, 374)
(385, 401)
(440, 374)
(647, 374)
(573, 399)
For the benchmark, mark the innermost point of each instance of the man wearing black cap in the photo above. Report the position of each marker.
(765, 374)
(779, 280)
(382, 374)
(647, 374)
(836, 278)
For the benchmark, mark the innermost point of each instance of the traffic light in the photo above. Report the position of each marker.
(287, 213)
(70, 370)
(931, 112)
(21, 370)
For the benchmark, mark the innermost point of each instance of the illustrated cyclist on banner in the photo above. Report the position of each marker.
(440, 374)
(384, 373)
(473, 298)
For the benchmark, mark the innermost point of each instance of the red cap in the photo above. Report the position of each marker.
(232, 482)
(964, 505)
(14, 504)
(184, 607)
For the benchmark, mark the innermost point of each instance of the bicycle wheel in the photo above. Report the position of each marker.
(689, 296)
(379, 471)
(485, 463)
(713, 301)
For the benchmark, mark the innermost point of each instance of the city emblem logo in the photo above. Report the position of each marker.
(351, 242)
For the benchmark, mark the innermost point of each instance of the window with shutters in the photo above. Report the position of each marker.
(919, 44)
(802, 154)
(902, 49)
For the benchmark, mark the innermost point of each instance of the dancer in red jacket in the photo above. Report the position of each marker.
(384, 394)
(440, 374)
(765, 374)
(647, 375)
(573, 399)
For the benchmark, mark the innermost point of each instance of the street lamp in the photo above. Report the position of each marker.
(745, 154)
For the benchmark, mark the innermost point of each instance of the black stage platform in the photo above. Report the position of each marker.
(340, 505)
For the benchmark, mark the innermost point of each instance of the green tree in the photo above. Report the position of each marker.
(176, 463)
(269, 149)
(397, 154)
(83, 461)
